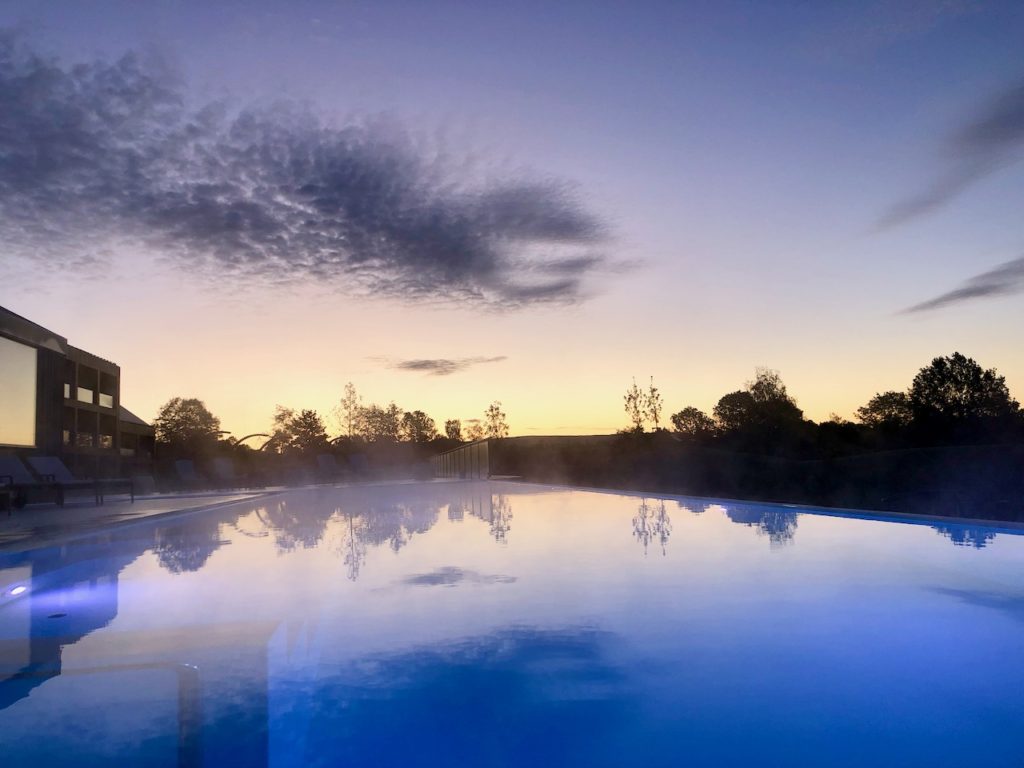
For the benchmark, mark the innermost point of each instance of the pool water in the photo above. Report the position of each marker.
(504, 624)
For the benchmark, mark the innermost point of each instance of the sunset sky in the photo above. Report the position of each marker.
(254, 203)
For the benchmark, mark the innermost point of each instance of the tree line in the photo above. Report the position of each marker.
(184, 426)
(952, 400)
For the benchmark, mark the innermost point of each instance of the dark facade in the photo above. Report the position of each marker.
(78, 411)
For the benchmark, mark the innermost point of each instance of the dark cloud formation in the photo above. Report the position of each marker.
(992, 140)
(102, 152)
(1005, 279)
(444, 366)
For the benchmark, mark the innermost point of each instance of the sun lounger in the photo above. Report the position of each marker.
(19, 482)
(53, 468)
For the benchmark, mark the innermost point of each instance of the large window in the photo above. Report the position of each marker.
(17, 393)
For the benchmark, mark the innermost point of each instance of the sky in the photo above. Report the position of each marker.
(449, 204)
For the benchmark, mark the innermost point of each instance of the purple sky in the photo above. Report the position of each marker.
(549, 199)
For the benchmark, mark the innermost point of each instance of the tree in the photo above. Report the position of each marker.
(380, 424)
(417, 427)
(652, 406)
(453, 429)
(634, 404)
(735, 411)
(774, 405)
(495, 423)
(348, 411)
(693, 422)
(886, 409)
(296, 431)
(186, 426)
(474, 431)
(956, 389)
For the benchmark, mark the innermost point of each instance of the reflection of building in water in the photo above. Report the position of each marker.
(52, 598)
(652, 523)
(779, 525)
(965, 535)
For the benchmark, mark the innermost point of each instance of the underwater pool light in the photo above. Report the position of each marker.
(18, 590)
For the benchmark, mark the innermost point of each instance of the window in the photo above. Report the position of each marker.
(84, 440)
(84, 395)
(107, 401)
(17, 393)
(66, 437)
(67, 391)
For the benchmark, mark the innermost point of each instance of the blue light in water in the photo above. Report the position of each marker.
(18, 590)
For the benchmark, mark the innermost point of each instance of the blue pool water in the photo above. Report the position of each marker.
(498, 624)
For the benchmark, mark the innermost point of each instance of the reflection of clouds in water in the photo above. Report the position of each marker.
(565, 686)
(1010, 604)
(652, 524)
(451, 576)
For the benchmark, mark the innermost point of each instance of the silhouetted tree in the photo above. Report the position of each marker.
(652, 406)
(186, 427)
(474, 431)
(453, 429)
(296, 431)
(774, 403)
(735, 411)
(956, 388)
(693, 422)
(886, 409)
(417, 427)
(495, 423)
(348, 411)
(380, 424)
(634, 405)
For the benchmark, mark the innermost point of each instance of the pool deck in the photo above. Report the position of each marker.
(45, 525)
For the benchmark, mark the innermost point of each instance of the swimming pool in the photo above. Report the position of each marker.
(504, 624)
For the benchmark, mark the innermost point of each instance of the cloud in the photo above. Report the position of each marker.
(444, 366)
(450, 576)
(989, 142)
(112, 152)
(1005, 279)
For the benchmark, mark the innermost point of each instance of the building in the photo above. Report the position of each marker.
(58, 400)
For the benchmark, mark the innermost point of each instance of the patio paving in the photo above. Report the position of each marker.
(44, 525)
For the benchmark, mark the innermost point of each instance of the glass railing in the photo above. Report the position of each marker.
(84, 395)
(107, 401)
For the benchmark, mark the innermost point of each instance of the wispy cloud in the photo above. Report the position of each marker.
(444, 366)
(993, 139)
(1005, 279)
(106, 152)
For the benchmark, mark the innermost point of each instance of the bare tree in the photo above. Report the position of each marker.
(634, 404)
(495, 422)
(349, 410)
(652, 406)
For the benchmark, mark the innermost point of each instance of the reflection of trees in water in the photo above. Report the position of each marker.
(356, 530)
(652, 523)
(966, 536)
(779, 525)
(351, 543)
(497, 513)
(186, 547)
(295, 526)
